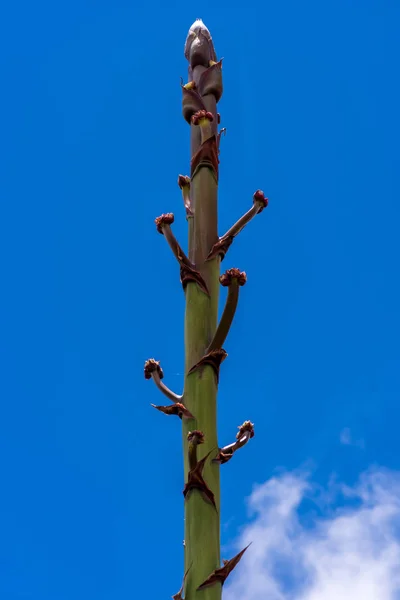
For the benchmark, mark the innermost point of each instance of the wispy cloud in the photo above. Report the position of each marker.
(347, 439)
(313, 544)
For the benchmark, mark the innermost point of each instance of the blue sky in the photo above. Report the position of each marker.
(92, 143)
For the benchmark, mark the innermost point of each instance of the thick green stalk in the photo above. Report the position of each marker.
(202, 519)
(200, 277)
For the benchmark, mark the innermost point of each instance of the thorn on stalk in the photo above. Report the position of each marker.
(220, 575)
(153, 370)
(245, 433)
(260, 201)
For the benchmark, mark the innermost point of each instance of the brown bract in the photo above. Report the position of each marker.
(231, 274)
(221, 247)
(220, 575)
(190, 274)
(207, 156)
(177, 408)
(150, 366)
(213, 359)
(224, 456)
(210, 81)
(191, 102)
(196, 482)
(165, 219)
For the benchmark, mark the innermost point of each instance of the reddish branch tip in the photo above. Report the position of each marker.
(261, 200)
(150, 366)
(183, 181)
(246, 426)
(231, 274)
(202, 115)
(166, 219)
(195, 436)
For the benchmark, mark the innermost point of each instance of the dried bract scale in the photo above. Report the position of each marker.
(247, 426)
(220, 575)
(213, 359)
(150, 366)
(223, 456)
(177, 408)
(260, 199)
(165, 219)
(178, 596)
(231, 274)
(196, 482)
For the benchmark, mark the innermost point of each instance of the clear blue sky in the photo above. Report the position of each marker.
(92, 143)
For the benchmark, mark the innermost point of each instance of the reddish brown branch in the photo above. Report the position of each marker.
(232, 278)
(220, 248)
(187, 271)
(152, 370)
(245, 433)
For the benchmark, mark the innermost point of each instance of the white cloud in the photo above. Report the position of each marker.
(347, 439)
(346, 546)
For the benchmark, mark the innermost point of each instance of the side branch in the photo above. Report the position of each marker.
(221, 247)
(245, 433)
(152, 370)
(233, 279)
(187, 271)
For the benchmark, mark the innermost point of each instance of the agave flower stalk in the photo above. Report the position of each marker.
(204, 336)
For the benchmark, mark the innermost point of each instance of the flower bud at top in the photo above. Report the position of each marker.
(199, 47)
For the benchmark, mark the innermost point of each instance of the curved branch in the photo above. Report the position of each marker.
(152, 370)
(245, 433)
(163, 223)
(220, 248)
(234, 279)
(187, 270)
